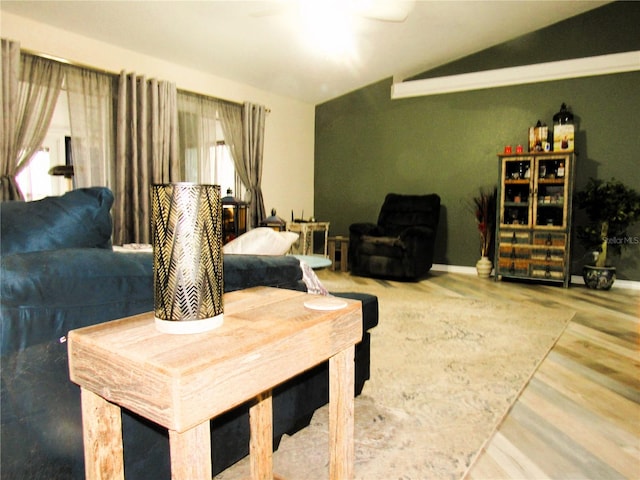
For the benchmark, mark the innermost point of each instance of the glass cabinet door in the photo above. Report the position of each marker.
(550, 199)
(515, 203)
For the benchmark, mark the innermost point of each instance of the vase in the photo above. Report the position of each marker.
(484, 267)
(598, 278)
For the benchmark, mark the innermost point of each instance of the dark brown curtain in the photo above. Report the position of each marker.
(146, 152)
(253, 122)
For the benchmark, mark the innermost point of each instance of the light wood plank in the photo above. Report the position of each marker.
(191, 453)
(620, 347)
(341, 421)
(512, 461)
(487, 467)
(261, 441)
(580, 429)
(588, 393)
(102, 431)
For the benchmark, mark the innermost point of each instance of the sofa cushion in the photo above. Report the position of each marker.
(46, 294)
(79, 218)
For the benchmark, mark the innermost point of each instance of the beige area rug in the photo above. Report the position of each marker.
(444, 372)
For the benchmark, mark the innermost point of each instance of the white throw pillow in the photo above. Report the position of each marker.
(261, 241)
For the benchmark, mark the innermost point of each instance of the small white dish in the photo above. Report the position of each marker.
(325, 303)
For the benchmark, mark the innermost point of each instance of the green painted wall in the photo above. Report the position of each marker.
(368, 145)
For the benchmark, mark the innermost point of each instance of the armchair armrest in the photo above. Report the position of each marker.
(419, 243)
(416, 238)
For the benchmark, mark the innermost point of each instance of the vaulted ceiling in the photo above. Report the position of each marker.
(272, 46)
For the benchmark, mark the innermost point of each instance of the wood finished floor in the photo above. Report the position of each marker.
(579, 416)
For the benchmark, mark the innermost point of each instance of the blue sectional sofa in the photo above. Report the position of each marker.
(59, 272)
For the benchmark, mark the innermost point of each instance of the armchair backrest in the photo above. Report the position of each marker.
(401, 211)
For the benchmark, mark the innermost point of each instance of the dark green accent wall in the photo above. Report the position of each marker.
(367, 145)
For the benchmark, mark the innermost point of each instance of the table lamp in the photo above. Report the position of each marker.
(186, 230)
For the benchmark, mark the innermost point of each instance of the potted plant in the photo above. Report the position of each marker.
(611, 207)
(484, 209)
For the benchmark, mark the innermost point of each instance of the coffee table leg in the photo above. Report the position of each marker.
(341, 423)
(191, 453)
(261, 442)
(102, 434)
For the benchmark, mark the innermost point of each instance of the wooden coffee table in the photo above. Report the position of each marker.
(182, 381)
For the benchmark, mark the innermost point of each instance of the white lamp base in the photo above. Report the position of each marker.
(189, 326)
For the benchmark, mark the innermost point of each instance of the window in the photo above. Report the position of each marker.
(225, 175)
(220, 171)
(34, 180)
(204, 156)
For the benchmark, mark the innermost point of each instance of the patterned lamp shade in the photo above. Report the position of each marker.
(186, 230)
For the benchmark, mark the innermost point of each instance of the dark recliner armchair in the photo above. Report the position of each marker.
(401, 245)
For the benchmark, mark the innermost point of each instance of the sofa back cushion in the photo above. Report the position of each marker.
(79, 218)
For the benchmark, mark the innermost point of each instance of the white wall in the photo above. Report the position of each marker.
(287, 177)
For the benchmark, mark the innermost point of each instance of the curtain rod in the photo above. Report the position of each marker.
(107, 72)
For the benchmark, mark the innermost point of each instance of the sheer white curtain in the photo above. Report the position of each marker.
(92, 130)
(146, 152)
(230, 115)
(30, 89)
(197, 132)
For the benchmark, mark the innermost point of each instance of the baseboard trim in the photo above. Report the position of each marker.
(441, 267)
(575, 279)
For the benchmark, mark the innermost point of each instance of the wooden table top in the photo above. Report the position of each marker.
(178, 381)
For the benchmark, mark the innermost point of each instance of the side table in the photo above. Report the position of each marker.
(306, 230)
(339, 244)
(182, 381)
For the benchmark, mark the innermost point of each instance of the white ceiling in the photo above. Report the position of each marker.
(262, 43)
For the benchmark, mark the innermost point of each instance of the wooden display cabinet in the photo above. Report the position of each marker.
(533, 224)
